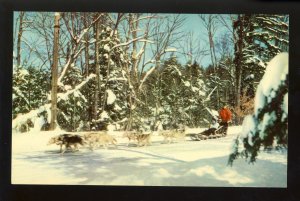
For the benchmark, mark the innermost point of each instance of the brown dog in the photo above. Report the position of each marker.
(141, 139)
(170, 135)
(97, 139)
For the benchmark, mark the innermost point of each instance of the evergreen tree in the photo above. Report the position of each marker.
(267, 36)
(178, 94)
(214, 81)
(267, 127)
(30, 88)
(170, 89)
(258, 38)
(72, 108)
(113, 105)
(194, 92)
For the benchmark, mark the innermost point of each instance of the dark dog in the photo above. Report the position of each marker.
(68, 140)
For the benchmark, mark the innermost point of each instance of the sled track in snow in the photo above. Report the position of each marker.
(199, 137)
(149, 153)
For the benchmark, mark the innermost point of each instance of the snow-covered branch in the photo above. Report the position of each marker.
(140, 53)
(145, 77)
(147, 41)
(78, 87)
(151, 61)
(142, 50)
(177, 70)
(74, 53)
(170, 50)
(127, 43)
(64, 71)
(208, 97)
(78, 52)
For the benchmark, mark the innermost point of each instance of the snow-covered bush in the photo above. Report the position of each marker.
(268, 125)
(30, 88)
(29, 92)
(36, 119)
(72, 110)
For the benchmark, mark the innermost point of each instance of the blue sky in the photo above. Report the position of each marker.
(194, 24)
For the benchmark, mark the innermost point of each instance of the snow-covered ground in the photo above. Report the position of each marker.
(183, 163)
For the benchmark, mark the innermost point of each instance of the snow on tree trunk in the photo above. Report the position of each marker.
(268, 124)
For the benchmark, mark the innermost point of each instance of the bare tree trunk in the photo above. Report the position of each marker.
(211, 50)
(238, 67)
(87, 44)
(209, 23)
(134, 26)
(239, 35)
(214, 51)
(53, 121)
(97, 70)
(133, 72)
(19, 39)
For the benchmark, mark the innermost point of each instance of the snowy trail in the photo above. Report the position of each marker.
(184, 163)
(151, 154)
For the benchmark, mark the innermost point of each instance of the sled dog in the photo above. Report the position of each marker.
(89, 135)
(141, 139)
(170, 135)
(100, 139)
(68, 140)
(131, 135)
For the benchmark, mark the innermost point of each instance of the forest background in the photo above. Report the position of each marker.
(135, 70)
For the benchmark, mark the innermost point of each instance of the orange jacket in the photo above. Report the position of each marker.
(225, 114)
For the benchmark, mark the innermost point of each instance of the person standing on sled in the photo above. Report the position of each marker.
(225, 116)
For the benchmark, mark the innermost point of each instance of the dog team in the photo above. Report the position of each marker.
(102, 139)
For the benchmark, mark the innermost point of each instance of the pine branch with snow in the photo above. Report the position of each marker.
(267, 127)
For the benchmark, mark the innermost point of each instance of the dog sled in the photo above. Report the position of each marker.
(201, 136)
